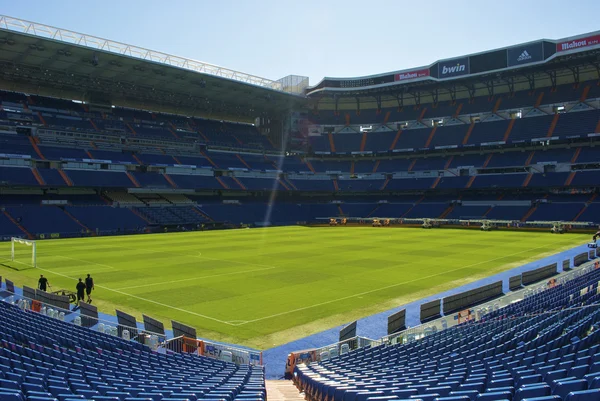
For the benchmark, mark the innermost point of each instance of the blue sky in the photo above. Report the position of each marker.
(316, 38)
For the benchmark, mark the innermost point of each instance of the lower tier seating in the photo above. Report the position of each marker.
(44, 359)
(547, 345)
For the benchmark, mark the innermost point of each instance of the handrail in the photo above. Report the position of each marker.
(228, 353)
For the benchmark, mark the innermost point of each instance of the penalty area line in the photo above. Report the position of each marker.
(147, 300)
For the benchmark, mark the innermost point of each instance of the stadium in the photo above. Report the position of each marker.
(426, 234)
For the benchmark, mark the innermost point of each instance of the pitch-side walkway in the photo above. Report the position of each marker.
(283, 390)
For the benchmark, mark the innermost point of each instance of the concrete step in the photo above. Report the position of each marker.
(283, 390)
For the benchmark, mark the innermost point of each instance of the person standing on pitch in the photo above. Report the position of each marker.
(80, 291)
(43, 283)
(89, 286)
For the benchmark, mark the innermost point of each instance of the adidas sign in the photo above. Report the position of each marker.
(524, 56)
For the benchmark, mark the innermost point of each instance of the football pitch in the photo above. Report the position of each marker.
(265, 287)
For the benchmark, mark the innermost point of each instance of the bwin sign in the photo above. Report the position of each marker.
(453, 69)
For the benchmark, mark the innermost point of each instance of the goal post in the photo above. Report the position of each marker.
(19, 243)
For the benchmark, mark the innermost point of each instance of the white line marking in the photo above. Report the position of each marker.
(145, 299)
(194, 256)
(85, 261)
(386, 287)
(197, 278)
(16, 261)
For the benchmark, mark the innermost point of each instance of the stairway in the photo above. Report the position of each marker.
(446, 212)
(201, 213)
(331, 143)
(137, 159)
(242, 186)
(430, 138)
(363, 142)
(65, 177)
(209, 159)
(569, 179)
(76, 220)
(552, 125)
(529, 213)
(291, 184)
(393, 145)
(130, 128)
(38, 176)
(33, 142)
(173, 133)
(373, 211)
(141, 216)
(222, 182)
(468, 134)
(335, 185)
(508, 130)
(12, 219)
(376, 166)
(412, 207)
(283, 184)
(310, 167)
(387, 180)
(133, 180)
(585, 206)
(170, 180)
(283, 390)
(243, 161)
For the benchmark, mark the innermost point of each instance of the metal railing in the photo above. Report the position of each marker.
(477, 312)
(106, 45)
(156, 341)
(343, 347)
(96, 324)
(223, 352)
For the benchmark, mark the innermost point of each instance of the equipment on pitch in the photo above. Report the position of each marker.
(426, 222)
(487, 224)
(29, 243)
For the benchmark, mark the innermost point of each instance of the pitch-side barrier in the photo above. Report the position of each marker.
(556, 227)
(156, 341)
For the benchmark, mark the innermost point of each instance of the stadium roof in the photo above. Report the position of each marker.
(527, 65)
(37, 58)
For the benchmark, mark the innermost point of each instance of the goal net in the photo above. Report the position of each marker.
(23, 252)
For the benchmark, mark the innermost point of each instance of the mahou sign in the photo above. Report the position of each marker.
(578, 43)
(403, 76)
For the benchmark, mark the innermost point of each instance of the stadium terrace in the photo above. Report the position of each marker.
(427, 233)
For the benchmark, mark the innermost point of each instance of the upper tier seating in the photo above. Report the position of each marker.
(44, 359)
(481, 104)
(524, 350)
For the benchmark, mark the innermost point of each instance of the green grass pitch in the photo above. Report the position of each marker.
(265, 287)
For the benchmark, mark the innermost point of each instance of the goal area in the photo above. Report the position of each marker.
(23, 253)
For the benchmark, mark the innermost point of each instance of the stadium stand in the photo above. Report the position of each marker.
(45, 359)
(545, 345)
(522, 148)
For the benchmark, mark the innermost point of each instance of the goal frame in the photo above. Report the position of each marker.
(27, 242)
